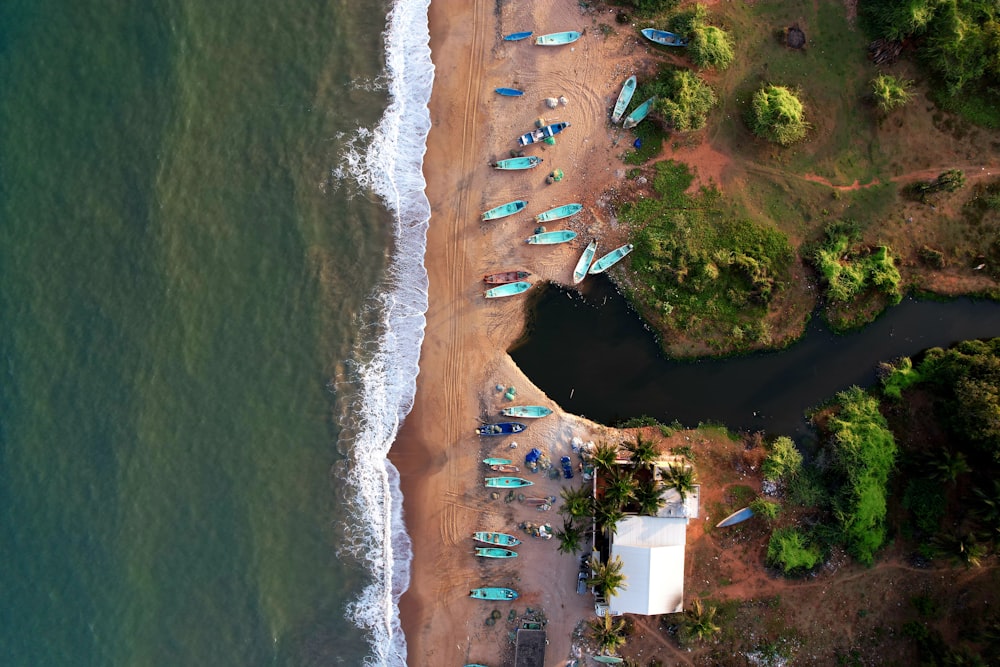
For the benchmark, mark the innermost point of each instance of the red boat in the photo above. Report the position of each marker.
(505, 277)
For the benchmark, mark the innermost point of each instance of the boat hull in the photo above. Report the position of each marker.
(497, 462)
(583, 265)
(510, 289)
(502, 211)
(559, 212)
(495, 552)
(509, 92)
(551, 238)
(517, 36)
(624, 97)
(515, 163)
(505, 277)
(541, 134)
(607, 261)
(503, 428)
(489, 537)
(507, 482)
(639, 114)
(663, 38)
(492, 593)
(736, 517)
(557, 38)
(527, 411)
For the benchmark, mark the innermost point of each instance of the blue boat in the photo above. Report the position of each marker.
(502, 211)
(528, 162)
(493, 593)
(503, 428)
(604, 263)
(663, 37)
(558, 38)
(541, 133)
(639, 113)
(510, 289)
(559, 212)
(509, 92)
(517, 36)
(735, 518)
(582, 266)
(507, 482)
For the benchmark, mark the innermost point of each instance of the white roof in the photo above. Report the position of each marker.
(654, 578)
(651, 531)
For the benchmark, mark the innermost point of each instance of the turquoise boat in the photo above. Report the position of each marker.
(509, 92)
(502, 539)
(557, 38)
(639, 113)
(663, 38)
(551, 238)
(510, 289)
(559, 212)
(517, 36)
(527, 411)
(608, 659)
(518, 163)
(612, 258)
(507, 482)
(493, 593)
(495, 552)
(624, 97)
(497, 462)
(582, 266)
(502, 211)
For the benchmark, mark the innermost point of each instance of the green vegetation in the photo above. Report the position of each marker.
(783, 460)
(607, 577)
(699, 622)
(948, 181)
(681, 478)
(765, 509)
(700, 271)
(897, 377)
(607, 633)
(683, 99)
(792, 551)
(708, 46)
(570, 536)
(777, 115)
(890, 92)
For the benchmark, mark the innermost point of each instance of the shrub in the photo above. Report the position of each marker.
(899, 376)
(791, 550)
(890, 93)
(765, 509)
(710, 47)
(783, 461)
(685, 99)
(777, 115)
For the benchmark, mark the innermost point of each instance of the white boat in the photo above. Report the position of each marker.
(607, 261)
(624, 97)
(584, 264)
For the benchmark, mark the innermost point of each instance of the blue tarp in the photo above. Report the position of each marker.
(532, 456)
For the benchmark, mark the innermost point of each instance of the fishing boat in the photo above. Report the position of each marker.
(507, 482)
(624, 97)
(735, 518)
(551, 238)
(496, 462)
(510, 289)
(541, 134)
(517, 36)
(503, 428)
(557, 38)
(518, 163)
(582, 266)
(489, 537)
(639, 113)
(663, 37)
(509, 92)
(528, 411)
(502, 211)
(607, 261)
(548, 500)
(505, 277)
(559, 212)
(608, 659)
(495, 552)
(493, 593)
(504, 467)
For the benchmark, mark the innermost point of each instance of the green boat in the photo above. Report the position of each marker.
(639, 113)
(493, 593)
(497, 462)
(624, 97)
(495, 552)
(518, 163)
(503, 211)
(612, 258)
(529, 411)
(510, 289)
(582, 266)
(559, 212)
(503, 539)
(557, 38)
(551, 238)
(507, 482)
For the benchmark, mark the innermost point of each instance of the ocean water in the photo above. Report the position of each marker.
(211, 304)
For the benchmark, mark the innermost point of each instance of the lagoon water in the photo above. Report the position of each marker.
(211, 305)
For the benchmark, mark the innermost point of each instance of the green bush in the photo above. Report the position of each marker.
(848, 272)
(777, 115)
(765, 509)
(898, 377)
(783, 461)
(684, 99)
(791, 550)
(890, 92)
(710, 47)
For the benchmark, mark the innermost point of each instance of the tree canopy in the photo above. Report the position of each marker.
(777, 115)
(684, 99)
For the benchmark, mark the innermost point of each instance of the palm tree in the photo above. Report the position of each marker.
(649, 497)
(607, 577)
(619, 487)
(988, 505)
(604, 456)
(947, 466)
(644, 452)
(608, 514)
(699, 621)
(607, 634)
(577, 502)
(681, 478)
(569, 537)
(961, 548)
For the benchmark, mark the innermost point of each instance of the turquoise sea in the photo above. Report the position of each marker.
(211, 305)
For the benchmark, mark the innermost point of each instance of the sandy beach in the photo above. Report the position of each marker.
(464, 356)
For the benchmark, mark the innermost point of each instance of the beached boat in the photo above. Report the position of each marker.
(735, 518)
(496, 462)
(548, 500)
(505, 467)
(509, 92)
(663, 37)
(624, 97)
(582, 266)
(489, 537)
(503, 428)
(559, 212)
(608, 659)
(502, 211)
(495, 552)
(551, 238)
(607, 261)
(507, 482)
(541, 134)
(517, 36)
(510, 289)
(639, 113)
(493, 593)
(505, 277)
(557, 38)
(528, 411)
(518, 163)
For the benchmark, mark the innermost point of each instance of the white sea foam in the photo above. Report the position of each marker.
(391, 166)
